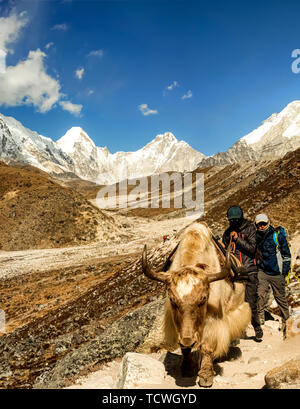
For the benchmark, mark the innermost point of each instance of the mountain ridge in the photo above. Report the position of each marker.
(75, 152)
(276, 136)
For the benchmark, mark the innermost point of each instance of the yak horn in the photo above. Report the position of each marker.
(225, 271)
(163, 277)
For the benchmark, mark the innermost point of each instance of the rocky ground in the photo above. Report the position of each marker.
(244, 367)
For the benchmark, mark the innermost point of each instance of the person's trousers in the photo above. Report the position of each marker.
(251, 297)
(277, 284)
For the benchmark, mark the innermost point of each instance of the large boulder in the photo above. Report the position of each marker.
(286, 374)
(140, 370)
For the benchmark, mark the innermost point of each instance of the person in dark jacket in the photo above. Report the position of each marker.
(242, 232)
(273, 266)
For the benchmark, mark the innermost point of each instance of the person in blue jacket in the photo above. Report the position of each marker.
(274, 260)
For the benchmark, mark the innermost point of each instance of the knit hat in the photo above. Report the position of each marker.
(261, 218)
(234, 212)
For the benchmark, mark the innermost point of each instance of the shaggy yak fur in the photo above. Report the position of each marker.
(204, 310)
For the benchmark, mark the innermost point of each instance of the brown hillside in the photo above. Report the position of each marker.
(36, 212)
(88, 189)
(269, 186)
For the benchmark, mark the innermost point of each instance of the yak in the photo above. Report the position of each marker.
(204, 310)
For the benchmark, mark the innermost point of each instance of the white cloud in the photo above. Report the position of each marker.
(2, 61)
(10, 29)
(74, 109)
(171, 86)
(27, 83)
(60, 27)
(145, 110)
(189, 94)
(79, 73)
(47, 46)
(91, 92)
(95, 53)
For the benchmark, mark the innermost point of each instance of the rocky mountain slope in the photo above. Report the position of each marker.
(20, 144)
(271, 187)
(277, 135)
(262, 186)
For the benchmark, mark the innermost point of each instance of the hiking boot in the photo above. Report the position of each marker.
(258, 334)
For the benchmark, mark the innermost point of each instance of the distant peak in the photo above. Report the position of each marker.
(167, 136)
(288, 114)
(76, 131)
(74, 136)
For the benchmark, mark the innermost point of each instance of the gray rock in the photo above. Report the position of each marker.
(140, 370)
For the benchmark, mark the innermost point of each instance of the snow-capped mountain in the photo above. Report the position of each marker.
(164, 153)
(276, 136)
(20, 144)
(75, 152)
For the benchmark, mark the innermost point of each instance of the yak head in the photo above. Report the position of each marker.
(188, 292)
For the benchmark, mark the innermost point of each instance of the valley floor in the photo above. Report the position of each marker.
(14, 263)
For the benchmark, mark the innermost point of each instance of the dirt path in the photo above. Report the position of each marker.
(14, 263)
(244, 368)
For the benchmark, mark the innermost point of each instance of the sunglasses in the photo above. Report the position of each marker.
(261, 224)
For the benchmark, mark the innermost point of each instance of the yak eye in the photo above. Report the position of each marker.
(173, 303)
(202, 301)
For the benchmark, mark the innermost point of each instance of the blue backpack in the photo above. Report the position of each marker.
(283, 231)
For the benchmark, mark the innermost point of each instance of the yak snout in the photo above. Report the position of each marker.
(188, 337)
(187, 343)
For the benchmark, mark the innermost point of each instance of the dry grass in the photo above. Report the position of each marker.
(36, 212)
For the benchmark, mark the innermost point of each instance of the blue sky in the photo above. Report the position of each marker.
(125, 71)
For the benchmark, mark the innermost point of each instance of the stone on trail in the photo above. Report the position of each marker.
(140, 370)
(253, 359)
(287, 373)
